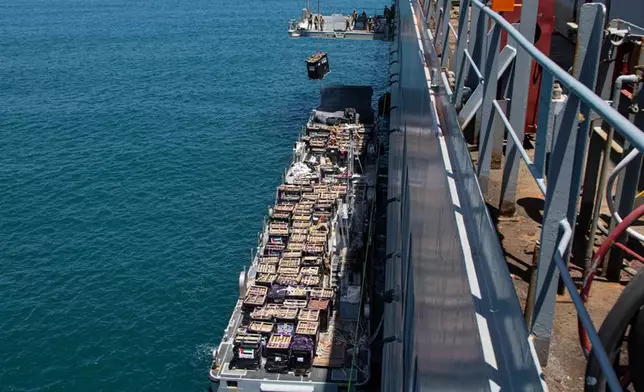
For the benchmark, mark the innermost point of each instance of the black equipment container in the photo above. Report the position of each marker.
(247, 352)
(317, 66)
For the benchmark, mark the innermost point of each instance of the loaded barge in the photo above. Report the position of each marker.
(301, 320)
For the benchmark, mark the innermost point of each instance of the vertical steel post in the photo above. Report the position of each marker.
(461, 47)
(564, 176)
(627, 187)
(475, 47)
(445, 33)
(498, 132)
(545, 97)
(518, 104)
(481, 63)
(485, 143)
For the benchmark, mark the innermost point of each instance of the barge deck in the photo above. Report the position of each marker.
(299, 324)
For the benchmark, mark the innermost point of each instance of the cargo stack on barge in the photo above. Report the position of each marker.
(301, 303)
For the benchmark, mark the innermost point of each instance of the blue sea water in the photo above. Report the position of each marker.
(140, 144)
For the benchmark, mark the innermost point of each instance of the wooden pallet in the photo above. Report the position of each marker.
(316, 239)
(295, 246)
(278, 228)
(297, 238)
(260, 327)
(290, 262)
(302, 217)
(295, 303)
(307, 328)
(248, 338)
(269, 259)
(256, 295)
(292, 254)
(266, 278)
(311, 261)
(289, 188)
(285, 207)
(310, 280)
(319, 304)
(296, 292)
(286, 313)
(266, 268)
(279, 342)
(288, 280)
(281, 215)
(309, 315)
(310, 270)
(324, 293)
(300, 230)
(264, 313)
(314, 249)
(284, 270)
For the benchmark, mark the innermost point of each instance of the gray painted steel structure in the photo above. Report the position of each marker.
(448, 337)
(568, 131)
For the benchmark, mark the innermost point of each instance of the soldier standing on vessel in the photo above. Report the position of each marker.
(321, 23)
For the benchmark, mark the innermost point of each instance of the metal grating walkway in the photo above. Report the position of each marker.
(458, 321)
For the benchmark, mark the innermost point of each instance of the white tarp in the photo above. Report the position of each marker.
(296, 171)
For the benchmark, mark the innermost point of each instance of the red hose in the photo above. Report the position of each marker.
(599, 255)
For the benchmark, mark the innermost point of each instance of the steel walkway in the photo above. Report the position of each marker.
(458, 322)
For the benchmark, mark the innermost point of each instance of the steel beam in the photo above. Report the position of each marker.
(475, 100)
(486, 143)
(517, 109)
(564, 175)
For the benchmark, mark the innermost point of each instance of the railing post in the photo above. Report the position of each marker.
(517, 109)
(541, 142)
(485, 144)
(481, 63)
(475, 45)
(461, 47)
(447, 6)
(627, 187)
(564, 175)
(498, 132)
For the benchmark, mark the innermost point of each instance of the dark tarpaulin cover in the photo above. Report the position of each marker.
(302, 343)
(335, 98)
(276, 292)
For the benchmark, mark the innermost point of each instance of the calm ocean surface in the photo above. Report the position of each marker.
(140, 144)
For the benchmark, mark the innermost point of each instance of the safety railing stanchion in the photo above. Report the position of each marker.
(485, 143)
(461, 47)
(477, 61)
(517, 108)
(444, 34)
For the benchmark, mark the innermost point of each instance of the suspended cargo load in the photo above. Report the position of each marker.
(317, 66)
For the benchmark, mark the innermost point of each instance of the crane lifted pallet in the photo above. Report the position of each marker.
(317, 65)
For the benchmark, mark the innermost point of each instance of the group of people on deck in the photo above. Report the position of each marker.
(316, 21)
(370, 24)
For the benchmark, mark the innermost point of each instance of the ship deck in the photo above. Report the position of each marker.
(304, 284)
(334, 26)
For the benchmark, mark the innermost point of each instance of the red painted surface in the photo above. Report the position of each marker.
(543, 38)
(502, 5)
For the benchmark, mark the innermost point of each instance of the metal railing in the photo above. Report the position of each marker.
(476, 62)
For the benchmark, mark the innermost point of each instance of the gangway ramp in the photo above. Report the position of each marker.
(458, 324)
